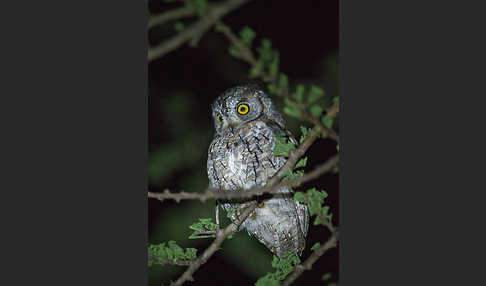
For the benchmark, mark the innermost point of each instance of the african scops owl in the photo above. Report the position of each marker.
(241, 157)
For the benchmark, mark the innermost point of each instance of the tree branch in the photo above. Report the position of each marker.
(271, 185)
(171, 15)
(215, 245)
(213, 13)
(177, 262)
(307, 264)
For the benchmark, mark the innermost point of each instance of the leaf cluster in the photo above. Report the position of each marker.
(170, 251)
(283, 267)
(314, 200)
(283, 146)
(201, 228)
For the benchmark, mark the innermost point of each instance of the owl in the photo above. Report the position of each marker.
(241, 157)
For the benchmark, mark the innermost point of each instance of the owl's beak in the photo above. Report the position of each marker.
(230, 125)
(233, 123)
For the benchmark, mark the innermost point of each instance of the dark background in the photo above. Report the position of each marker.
(183, 84)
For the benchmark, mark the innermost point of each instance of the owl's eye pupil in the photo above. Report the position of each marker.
(243, 109)
(219, 119)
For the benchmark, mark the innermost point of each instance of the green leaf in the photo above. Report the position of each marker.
(328, 121)
(299, 196)
(274, 64)
(305, 131)
(197, 6)
(298, 95)
(291, 112)
(203, 225)
(314, 94)
(326, 276)
(266, 44)
(316, 110)
(291, 108)
(272, 88)
(323, 194)
(282, 146)
(288, 175)
(247, 36)
(329, 217)
(267, 280)
(302, 163)
(169, 251)
(255, 70)
(191, 253)
(177, 251)
(179, 26)
(265, 51)
(283, 266)
(283, 82)
(314, 200)
(316, 246)
(232, 50)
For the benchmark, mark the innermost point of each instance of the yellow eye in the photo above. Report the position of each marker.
(219, 119)
(243, 109)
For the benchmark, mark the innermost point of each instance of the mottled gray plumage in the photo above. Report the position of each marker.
(241, 157)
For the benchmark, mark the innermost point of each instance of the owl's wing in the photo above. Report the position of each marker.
(301, 213)
(303, 216)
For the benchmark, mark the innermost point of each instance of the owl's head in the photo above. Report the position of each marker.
(239, 105)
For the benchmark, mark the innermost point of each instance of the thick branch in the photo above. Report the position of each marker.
(220, 237)
(195, 31)
(307, 264)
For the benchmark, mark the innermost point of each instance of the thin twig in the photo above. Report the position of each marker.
(171, 15)
(212, 15)
(215, 245)
(307, 264)
(181, 262)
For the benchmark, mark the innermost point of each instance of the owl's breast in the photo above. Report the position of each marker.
(241, 160)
